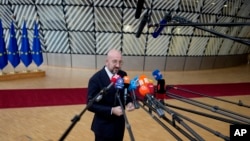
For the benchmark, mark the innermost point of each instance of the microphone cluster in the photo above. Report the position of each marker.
(139, 89)
(103, 91)
(142, 89)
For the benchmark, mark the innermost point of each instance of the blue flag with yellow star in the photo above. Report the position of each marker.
(3, 52)
(25, 53)
(37, 55)
(13, 55)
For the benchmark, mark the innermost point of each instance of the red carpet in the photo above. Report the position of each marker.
(42, 97)
(71, 96)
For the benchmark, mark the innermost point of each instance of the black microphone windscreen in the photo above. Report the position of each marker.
(142, 25)
(139, 8)
(161, 86)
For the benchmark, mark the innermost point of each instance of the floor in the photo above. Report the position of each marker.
(49, 123)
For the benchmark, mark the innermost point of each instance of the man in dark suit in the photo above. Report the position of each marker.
(108, 123)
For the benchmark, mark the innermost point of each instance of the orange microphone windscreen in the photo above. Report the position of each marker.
(143, 90)
(144, 78)
(126, 80)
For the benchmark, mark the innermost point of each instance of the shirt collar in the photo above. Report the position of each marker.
(108, 72)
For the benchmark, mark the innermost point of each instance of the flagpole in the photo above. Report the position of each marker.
(36, 47)
(37, 69)
(25, 54)
(26, 70)
(1, 72)
(15, 71)
(3, 52)
(13, 53)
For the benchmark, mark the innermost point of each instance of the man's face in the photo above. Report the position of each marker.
(114, 63)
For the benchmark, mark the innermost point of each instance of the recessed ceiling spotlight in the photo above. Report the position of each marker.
(127, 28)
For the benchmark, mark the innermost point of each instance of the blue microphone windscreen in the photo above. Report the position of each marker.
(158, 30)
(157, 74)
(119, 83)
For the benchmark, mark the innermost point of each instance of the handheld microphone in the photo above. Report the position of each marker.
(161, 26)
(103, 91)
(144, 91)
(151, 88)
(160, 87)
(141, 81)
(139, 8)
(126, 81)
(157, 74)
(119, 83)
(142, 25)
(133, 85)
(144, 79)
(126, 85)
(160, 82)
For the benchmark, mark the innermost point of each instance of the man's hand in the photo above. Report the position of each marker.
(117, 111)
(130, 106)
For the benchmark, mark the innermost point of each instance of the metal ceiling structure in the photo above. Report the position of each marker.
(93, 26)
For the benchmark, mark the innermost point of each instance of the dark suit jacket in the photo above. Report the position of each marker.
(104, 124)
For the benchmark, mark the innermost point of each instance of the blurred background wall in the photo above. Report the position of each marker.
(79, 33)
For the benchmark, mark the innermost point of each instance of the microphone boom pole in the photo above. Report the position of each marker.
(126, 119)
(212, 108)
(159, 121)
(135, 102)
(239, 103)
(177, 118)
(200, 24)
(183, 20)
(78, 117)
(170, 122)
(204, 114)
(204, 127)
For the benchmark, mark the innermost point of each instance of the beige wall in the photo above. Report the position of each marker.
(140, 63)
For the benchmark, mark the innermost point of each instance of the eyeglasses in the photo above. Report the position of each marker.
(115, 62)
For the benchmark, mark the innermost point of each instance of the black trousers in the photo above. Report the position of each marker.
(101, 138)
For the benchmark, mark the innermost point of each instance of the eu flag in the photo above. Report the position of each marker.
(25, 53)
(13, 54)
(3, 52)
(37, 55)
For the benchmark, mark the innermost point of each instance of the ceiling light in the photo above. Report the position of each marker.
(127, 28)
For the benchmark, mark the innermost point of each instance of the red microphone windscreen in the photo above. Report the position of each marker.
(151, 88)
(114, 78)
